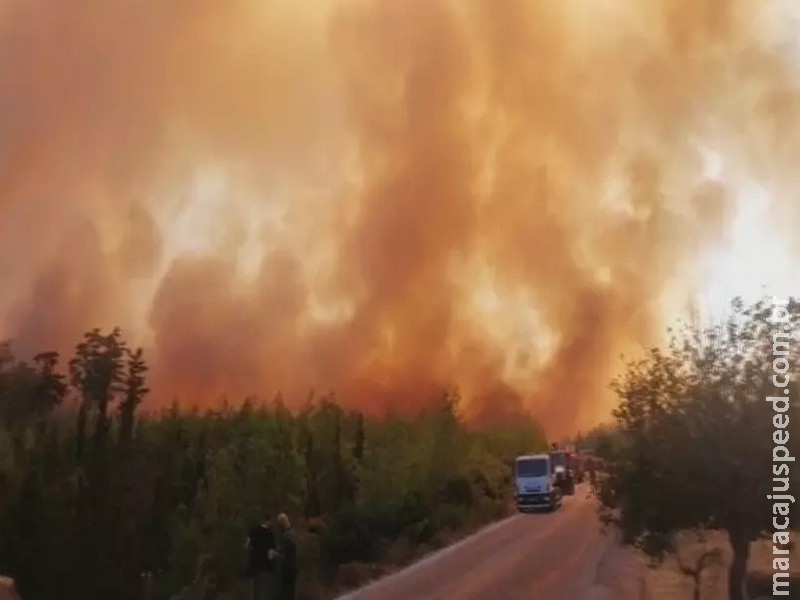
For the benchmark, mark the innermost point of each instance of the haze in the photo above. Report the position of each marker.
(390, 198)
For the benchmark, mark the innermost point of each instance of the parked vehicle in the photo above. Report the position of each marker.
(563, 471)
(534, 480)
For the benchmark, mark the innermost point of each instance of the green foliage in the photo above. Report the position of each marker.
(694, 440)
(160, 508)
(29, 392)
(602, 440)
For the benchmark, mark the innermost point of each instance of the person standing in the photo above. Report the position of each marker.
(288, 553)
(263, 549)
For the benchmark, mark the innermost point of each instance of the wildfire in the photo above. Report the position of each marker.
(382, 198)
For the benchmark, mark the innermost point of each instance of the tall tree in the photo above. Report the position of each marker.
(29, 392)
(97, 372)
(50, 386)
(134, 391)
(697, 436)
(358, 447)
(313, 504)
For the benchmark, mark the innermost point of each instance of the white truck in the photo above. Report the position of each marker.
(535, 485)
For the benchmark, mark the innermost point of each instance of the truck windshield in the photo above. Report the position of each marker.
(559, 459)
(532, 467)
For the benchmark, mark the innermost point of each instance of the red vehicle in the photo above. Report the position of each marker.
(563, 468)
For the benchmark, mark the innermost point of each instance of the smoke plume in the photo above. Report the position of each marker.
(384, 198)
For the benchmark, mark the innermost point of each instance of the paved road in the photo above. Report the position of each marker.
(526, 557)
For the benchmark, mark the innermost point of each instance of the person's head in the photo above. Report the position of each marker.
(283, 521)
(266, 519)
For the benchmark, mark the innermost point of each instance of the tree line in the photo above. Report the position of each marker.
(99, 501)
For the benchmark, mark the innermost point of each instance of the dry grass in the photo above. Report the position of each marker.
(624, 575)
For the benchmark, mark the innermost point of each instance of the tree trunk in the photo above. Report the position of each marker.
(358, 451)
(696, 572)
(81, 435)
(126, 425)
(313, 504)
(737, 577)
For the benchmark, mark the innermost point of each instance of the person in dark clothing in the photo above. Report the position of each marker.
(262, 566)
(288, 558)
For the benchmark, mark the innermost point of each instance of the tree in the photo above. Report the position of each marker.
(696, 437)
(51, 386)
(312, 506)
(358, 447)
(343, 490)
(134, 391)
(166, 514)
(29, 392)
(96, 372)
(601, 440)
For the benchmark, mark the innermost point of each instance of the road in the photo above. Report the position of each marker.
(537, 556)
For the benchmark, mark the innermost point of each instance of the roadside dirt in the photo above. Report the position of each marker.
(623, 574)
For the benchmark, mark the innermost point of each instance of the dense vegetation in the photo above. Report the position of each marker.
(97, 501)
(694, 439)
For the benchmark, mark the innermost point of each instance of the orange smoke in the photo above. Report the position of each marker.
(383, 198)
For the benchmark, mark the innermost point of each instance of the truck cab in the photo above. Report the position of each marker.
(534, 481)
(563, 470)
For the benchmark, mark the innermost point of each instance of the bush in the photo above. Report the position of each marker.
(174, 493)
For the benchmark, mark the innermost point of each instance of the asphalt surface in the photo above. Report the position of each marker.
(539, 556)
